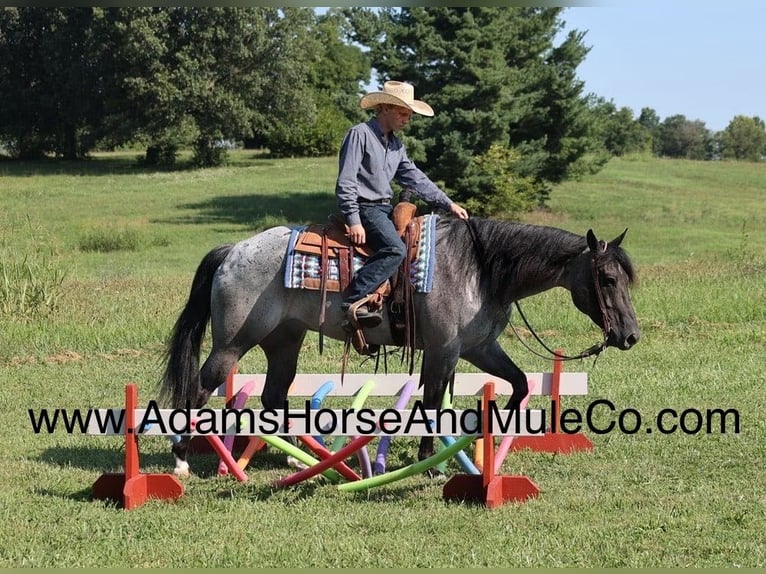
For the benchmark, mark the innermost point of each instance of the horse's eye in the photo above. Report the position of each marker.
(610, 280)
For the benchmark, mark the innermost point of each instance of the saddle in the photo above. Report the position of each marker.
(330, 242)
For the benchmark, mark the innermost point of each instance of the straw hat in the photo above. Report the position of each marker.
(398, 94)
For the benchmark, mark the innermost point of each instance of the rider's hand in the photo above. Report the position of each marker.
(356, 234)
(458, 211)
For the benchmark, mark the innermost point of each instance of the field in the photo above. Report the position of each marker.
(106, 251)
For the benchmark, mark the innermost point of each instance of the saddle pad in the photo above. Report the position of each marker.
(303, 271)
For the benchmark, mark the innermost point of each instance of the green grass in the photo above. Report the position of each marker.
(698, 238)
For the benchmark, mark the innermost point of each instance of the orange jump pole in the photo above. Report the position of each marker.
(554, 440)
(130, 489)
(489, 489)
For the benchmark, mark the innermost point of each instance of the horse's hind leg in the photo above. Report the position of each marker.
(282, 348)
(213, 374)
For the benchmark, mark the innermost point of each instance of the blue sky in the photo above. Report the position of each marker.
(700, 58)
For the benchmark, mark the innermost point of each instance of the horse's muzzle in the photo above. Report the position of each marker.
(623, 341)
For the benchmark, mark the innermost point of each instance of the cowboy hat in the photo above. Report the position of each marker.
(398, 94)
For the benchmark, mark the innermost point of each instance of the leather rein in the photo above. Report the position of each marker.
(590, 351)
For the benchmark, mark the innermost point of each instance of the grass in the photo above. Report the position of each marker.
(698, 238)
(30, 274)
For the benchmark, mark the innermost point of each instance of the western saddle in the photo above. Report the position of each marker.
(330, 241)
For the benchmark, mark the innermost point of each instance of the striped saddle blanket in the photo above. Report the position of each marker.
(303, 267)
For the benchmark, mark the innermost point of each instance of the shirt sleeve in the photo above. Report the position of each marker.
(346, 187)
(409, 176)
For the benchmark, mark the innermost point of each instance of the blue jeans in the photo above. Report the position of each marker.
(389, 251)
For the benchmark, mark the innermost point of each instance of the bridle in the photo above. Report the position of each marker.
(590, 351)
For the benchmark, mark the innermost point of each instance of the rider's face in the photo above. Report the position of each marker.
(395, 118)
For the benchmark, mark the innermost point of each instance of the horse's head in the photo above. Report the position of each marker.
(600, 289)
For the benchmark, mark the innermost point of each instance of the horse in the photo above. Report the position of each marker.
(483, 266)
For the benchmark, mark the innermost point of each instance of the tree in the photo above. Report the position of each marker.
(201, 76)
(744, 139)
(238, 69)
(650, 121)
(164, 76)
(336, 72)
(19, 126)
(683, 138)
(618, 130)
(146, 103)
(495, 78)
(53, 80)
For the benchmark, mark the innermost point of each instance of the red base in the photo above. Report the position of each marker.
(130, 489)
(501, 489)
(132, 493)
(488, 488)
(553, 442)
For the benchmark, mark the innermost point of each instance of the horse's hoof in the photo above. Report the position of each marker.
(295, 463)
(182, 469)
(436, 474)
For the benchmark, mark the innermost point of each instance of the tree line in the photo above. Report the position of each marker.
(78, 79)
(512, 116)
(744, 138)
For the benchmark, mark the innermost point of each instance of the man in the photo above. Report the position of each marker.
(371, 156)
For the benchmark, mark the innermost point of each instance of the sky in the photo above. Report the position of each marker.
(703, 59)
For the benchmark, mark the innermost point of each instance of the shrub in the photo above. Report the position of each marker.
(322, 136)
(107, 240)
(500, 190)
(160, 155)
(209, 153)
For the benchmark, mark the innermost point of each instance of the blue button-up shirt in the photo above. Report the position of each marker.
(368, 164)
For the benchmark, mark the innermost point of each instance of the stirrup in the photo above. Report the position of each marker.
(360, 316)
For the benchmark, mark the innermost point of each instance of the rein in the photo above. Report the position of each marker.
(590, 351)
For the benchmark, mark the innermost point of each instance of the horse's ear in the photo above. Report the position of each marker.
(592, 241)
(617, 240)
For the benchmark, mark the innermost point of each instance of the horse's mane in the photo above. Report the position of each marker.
(510, 253)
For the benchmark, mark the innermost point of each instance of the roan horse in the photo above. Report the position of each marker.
(482, 267)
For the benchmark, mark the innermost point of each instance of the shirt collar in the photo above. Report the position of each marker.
(375, 127)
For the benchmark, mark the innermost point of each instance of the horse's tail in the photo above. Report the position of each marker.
(180, 382)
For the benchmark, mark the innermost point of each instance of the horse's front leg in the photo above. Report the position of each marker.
(491, 359)
(282, 348)
(438, 370)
